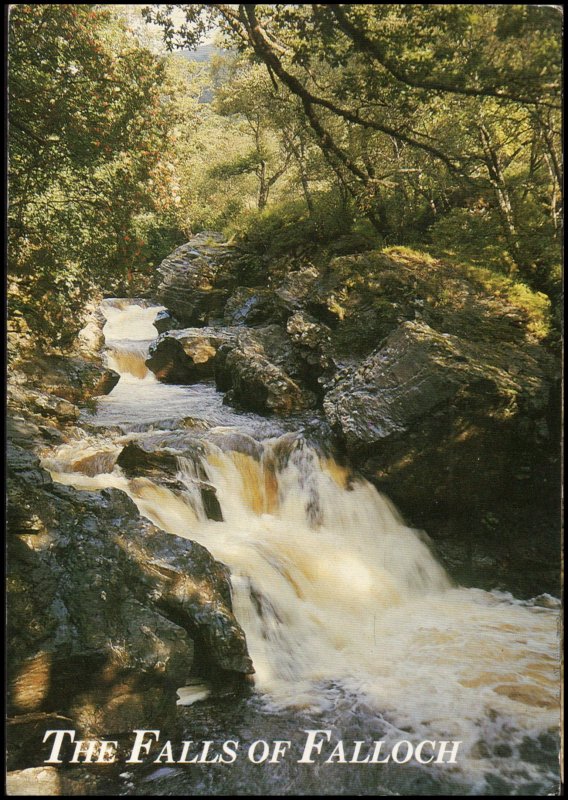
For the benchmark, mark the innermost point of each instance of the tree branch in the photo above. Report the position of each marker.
(374, 48)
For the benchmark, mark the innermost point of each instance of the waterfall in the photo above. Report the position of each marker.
(334, 592)
(128, 332)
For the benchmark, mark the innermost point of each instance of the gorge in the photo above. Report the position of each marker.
(286, 593)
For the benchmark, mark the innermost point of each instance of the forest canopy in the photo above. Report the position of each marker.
(302, 127)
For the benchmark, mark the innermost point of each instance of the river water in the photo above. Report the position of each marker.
(352, 624)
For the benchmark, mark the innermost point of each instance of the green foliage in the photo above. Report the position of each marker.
(287, 227)
(534, 306)
(441, 123)
(88, 123)
(242, 165)
(446, 281)
(473, 234)
(311, 128)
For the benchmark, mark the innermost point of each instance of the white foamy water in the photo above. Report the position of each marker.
(139, 400)
(335, 594)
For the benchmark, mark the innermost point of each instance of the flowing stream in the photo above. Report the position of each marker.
(351, 622)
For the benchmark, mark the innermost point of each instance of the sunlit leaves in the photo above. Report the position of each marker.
(88, 126)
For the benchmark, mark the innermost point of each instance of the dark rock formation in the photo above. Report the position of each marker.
(248, 306)
(363, 297)
(108, 615)
(160, 464)
(197, 279)
(263, 372)
(165, 322)
(187, 356)
(50, 406)
(135, 459)
(418, 371)
(313, 343)
(456, 433)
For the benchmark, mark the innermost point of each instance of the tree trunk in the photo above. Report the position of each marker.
(502, 196)
(263, 188)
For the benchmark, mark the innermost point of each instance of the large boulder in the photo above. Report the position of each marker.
(418, 371)
(197, 279)
(71, 377)
(448, 428)
(363, 297)
(108, 615)
(313, 342)
(263, 372)
(188, 355)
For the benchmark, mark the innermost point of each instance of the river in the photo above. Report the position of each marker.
(352, 624)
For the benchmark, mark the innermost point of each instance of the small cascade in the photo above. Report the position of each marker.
(129, 331)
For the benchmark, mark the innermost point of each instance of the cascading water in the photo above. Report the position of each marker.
(337, 597)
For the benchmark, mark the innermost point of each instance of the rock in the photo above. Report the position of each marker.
(165, 322)
(107, 614)
(249, 306)
(135, 459)
(75, 373)
(263, 372)
(72, 377)
(313, 341)
(161, 465)
(108, 380)
(186, 583)
(297, 287)
(187, 356)
(51, 406)
(40, 781)
(363, 297)
(419, 371)
(197, 279)
(90, 339)
(446, 428)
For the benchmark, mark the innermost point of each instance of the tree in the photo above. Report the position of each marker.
(380, 87)
(247, 93)
(88, 121)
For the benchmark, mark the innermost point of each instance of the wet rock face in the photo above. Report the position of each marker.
(456, 433)
(263, 372)
(419, 371)
(108, 614)
(188, 355)
(197, 279)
